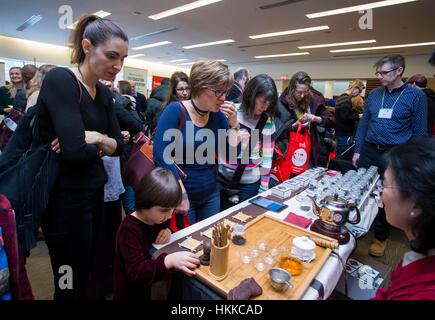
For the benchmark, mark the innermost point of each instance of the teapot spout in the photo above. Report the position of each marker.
(316, 208)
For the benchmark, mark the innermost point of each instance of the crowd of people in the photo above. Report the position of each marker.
(92, 125)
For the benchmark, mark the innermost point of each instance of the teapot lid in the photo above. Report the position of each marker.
(335, 200)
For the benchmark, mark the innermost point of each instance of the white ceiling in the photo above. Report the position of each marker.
(236, 19)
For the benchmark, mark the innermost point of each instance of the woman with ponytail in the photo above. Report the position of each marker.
(77, 110)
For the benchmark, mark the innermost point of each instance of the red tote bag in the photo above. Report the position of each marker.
(298, 151)
(297, 158)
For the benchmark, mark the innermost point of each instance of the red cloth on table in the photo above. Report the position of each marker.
(298, 220)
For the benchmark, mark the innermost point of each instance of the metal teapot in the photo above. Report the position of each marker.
(334, 212)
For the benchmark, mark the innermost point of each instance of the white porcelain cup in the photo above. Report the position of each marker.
(303, 248)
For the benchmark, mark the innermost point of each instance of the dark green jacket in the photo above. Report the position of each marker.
(5, 99)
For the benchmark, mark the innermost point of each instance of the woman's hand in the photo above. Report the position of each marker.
(125, 136)
(183, 261)
(7, 110)
(184, 206)
(311, 118)
(230, 111)
(296, 124)
(55, 145)
(93, 137)
(163, 236)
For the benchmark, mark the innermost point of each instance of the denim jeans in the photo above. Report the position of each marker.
(343, 142)
(127, 199)
(204, 208)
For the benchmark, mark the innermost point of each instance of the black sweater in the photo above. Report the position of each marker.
(66, 111)
(345, 116)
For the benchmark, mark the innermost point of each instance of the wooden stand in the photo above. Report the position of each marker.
(219, 261)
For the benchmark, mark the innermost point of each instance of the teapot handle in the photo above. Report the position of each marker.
(358, 216)
(316, 208)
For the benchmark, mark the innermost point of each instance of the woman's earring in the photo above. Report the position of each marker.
(412, 213)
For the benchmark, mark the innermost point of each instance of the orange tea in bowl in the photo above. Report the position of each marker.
(292, 265)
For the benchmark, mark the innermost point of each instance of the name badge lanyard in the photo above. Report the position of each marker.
(388, 112)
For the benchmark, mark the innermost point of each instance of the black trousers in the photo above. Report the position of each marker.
(71, 227)
(372, 156)
(105, 249)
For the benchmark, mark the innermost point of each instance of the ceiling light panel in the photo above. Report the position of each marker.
(101, 14)
(284, 33)
(152, 45)
(208, 44)
(29, 22)
(337, 44)
(283, 55)
(136, 55)
(364, 7)
(184, 8)
(179, 60)
(153, 33)
(408, 45)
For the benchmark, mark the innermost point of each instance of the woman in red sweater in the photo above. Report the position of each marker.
(409, 189)
(156, 197)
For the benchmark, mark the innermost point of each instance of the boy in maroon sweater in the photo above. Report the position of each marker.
(134, 270)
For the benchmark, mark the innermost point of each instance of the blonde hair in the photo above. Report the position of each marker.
(36, 82)
(357, 83)
(12, 88)
(208, 73)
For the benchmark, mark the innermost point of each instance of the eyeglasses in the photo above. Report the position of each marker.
(384, 73)
(218, 93)
(384, 186)
(301, 93)
(183, 89)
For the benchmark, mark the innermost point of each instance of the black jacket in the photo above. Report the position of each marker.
(158, 96)
(430, 94)
(127, 117)
(234, 94)
(345, 116)
(284, 114)
(128, 120)
(141, 104)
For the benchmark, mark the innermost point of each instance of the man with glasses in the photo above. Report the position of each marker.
(241, 77)
(393, 114)
(141, 101)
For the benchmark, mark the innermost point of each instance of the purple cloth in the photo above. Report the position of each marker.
(20, 284)
(245, 290)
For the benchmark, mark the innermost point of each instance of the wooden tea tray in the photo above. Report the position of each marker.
(277, 234)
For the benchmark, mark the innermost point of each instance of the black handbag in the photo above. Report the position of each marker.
(230, 188)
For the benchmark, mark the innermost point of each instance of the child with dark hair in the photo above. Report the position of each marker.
(134, 270)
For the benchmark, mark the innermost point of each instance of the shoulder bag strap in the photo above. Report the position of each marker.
(241, 167)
